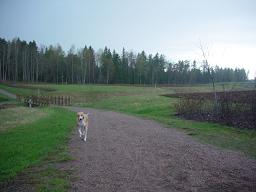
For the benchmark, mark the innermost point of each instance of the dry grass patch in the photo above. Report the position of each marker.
(12, 117)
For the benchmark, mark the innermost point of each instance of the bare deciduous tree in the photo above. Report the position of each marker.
(210, 71)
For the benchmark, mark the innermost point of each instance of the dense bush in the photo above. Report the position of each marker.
(234, 108)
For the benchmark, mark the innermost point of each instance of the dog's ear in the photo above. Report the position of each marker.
(86, 114)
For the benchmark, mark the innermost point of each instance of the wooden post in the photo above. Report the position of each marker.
(42, 100)
(37, 100)
(62, 100)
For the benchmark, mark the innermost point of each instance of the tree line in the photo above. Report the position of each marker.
(26, 61)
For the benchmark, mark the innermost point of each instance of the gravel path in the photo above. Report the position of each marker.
(125, 153)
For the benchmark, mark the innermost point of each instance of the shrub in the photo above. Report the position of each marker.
(235, 108)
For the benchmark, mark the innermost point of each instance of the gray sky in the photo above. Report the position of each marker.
(175, 28)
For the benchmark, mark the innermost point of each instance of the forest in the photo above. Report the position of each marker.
(28, 62)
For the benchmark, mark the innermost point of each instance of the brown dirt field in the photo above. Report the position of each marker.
(125, 153)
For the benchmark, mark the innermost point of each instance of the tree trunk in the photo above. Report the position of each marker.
(37, 61)
(108, 76)
(89, 69)
(93, 68)
(81, 69)
(85, 69)
(72, 70)
(57, 71)
(3, 70)
(8, 76)
(16, 62)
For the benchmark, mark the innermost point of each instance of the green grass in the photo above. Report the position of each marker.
(3, 98)
(49, 178)
(146, 102)
(162, 109)
(235, 86)
(17, 90)
(90, 93)
(33, 140)
(31, 144)
(13, 117)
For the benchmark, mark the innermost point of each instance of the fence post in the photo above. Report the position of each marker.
(45, 100)
(62, 100)
(42, 102)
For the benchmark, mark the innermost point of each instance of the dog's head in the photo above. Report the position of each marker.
(82, 116)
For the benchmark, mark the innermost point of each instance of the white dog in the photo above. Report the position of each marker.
(82, 124)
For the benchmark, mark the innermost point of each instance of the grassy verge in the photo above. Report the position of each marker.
(13, 117)
(3, 98)
(18, 90)
(162, 109)
(35, 144)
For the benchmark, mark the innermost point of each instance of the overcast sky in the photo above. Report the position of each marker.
(174, 28)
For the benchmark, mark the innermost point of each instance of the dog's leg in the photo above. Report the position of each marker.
(85, 135)
(80, 132)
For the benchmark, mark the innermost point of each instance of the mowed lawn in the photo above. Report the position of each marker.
(147, 102)
(29, 136)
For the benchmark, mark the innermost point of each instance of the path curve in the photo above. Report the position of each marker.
(8, 94)
(125, 153)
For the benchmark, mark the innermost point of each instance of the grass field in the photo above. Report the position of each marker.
(18, 90)
(31, 138)
(147, 102)
(3, 98)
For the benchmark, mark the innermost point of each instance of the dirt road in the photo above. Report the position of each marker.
(125, 153)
